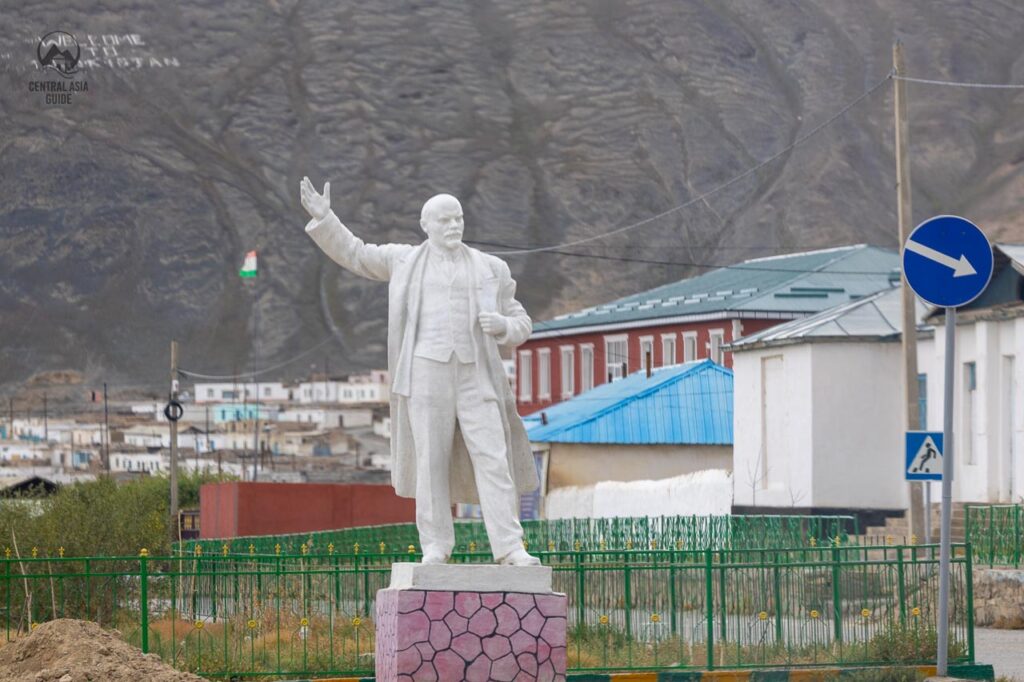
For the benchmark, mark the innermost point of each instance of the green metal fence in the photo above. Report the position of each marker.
(996, 532)
(229, 615)
(666, 532)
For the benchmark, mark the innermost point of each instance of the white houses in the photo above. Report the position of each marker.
(819, 413)
(988, 409)
(372, 387)
(270, 391)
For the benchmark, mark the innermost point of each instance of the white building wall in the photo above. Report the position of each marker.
(858, 445)
(988, 456)
(782, 476)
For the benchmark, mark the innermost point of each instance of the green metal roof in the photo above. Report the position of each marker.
(799, 284)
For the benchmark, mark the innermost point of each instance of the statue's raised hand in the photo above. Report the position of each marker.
(316, 204)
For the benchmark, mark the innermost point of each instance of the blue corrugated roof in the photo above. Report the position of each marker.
(688, 404)
(797, 284)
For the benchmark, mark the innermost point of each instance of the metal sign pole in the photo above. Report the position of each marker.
(947, 495)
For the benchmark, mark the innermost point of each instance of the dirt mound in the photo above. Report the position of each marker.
(68, 650)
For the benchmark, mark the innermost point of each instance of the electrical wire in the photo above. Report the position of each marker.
(702, 197)
(707, 266)
(961, 84)
(255, 373)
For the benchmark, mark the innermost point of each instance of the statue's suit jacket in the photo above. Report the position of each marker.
(402, 266)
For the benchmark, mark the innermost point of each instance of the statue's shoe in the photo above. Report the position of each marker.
(434, 558)
(519, 557)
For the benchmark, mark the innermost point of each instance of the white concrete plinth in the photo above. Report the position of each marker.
(471, 578)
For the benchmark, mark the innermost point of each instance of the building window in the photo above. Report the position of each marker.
(689, 346)
(543, 374)
(586, 367)
(266, 391)
(209, 393)
(970, 411)
(922, 402)
(646, 352)
(715, 346)
(668, 349)
(616, 357)
(568, 362)
(525, 379)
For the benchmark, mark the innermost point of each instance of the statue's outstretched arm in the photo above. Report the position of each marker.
(374, 261)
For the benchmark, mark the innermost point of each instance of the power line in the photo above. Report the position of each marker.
(255, 373)
(961, 84)
(707, 266)
(702, 197)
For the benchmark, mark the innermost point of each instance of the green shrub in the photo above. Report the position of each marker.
(100, 517)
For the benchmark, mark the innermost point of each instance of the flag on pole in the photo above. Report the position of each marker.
(249, 266)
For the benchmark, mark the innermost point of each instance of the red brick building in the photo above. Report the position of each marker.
(691, 319)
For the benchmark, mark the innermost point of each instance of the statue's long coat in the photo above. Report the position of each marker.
(402, 265)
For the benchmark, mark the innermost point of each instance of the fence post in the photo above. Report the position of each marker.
(580, 586)
(709, 604)
(778, 600)
(901, 590)
(970, 602)
(144, 597)
(991, 540)
(1017, 539)
(837, 605)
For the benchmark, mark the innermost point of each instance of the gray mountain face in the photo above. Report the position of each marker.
(125, 215)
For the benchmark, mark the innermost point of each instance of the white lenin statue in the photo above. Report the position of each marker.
(455, 435)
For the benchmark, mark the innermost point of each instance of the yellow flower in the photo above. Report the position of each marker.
(34, 626)
(763, 615)
(916, 611)
(865, 613)
(357, 621)
(603, 620)
(655, 618)
(304, 622)
(814, 613)
(199, 625)
(251, 624)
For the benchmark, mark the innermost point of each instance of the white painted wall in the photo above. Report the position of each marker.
(779, 476)
(858, 443)
(832, 424)
(994, 427)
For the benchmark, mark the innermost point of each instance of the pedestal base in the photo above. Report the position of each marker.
(481, 635)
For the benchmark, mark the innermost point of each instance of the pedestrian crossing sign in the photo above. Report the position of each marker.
(924, 456)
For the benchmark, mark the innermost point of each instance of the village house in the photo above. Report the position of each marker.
(676, 421)
(689, 320)
(819, 403)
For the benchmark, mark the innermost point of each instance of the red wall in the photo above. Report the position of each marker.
(236, 508)
(635, 362)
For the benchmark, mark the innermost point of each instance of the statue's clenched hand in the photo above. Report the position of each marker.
(493, 324)
(316, 204)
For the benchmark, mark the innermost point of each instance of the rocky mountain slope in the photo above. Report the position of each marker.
(124, 215)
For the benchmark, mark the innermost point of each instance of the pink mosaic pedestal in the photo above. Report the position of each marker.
(449, 636)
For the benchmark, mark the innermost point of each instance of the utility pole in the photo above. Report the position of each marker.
(916, 511)
(174, 445)
(106, 431)
(10, 418)
(46, 422)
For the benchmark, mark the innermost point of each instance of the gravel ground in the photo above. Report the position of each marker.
(1004, 649)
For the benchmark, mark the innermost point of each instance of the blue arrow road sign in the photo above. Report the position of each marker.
(924, 456)
(947, 261)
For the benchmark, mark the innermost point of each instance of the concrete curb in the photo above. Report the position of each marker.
(967, 671)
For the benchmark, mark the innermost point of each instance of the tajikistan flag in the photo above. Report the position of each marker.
(249, 266)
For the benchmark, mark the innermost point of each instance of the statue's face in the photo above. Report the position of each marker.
(442, 221)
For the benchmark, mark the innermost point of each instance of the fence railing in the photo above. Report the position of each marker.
(226, 615)
(666, 532)
(996, 533)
